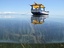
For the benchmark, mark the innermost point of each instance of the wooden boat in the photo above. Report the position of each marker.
(38, 9)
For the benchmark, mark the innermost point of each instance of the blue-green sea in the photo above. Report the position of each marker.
(21, 29)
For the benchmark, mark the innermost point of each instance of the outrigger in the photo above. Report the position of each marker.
(38, 9)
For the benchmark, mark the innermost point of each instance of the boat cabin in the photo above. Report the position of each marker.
(38, 9)
(36, 6)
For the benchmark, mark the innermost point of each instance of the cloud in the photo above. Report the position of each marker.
(14, 13)
(11, 13)
(8, 12)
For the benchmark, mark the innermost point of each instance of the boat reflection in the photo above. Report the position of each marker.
(38, 19)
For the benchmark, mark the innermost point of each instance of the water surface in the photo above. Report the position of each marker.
(23, 29)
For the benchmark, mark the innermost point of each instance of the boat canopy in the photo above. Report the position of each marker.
(35, 5)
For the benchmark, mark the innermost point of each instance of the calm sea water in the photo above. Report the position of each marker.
(21, 29)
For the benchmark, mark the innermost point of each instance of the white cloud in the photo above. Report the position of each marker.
(8, 12)
(14, 13)
(11, 13)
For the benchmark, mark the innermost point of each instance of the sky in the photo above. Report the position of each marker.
(55, 7)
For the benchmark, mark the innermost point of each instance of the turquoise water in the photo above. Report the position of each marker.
(20, 29)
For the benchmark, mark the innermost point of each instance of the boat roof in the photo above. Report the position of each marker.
(36, 5)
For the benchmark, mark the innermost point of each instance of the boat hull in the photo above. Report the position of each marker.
(38, 13)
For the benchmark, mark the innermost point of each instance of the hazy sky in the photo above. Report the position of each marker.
(56, 7)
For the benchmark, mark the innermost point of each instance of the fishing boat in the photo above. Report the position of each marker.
(38, 9)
